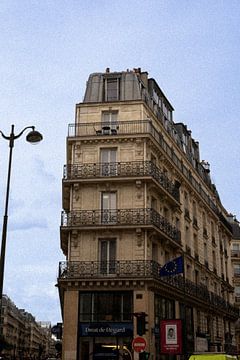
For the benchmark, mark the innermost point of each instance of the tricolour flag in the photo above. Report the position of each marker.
(172, 267)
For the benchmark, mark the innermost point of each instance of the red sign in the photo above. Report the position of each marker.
(139, 344)
(171, 336)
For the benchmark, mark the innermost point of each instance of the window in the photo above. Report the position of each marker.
(236, 268)
(108, 207)
(153, 203)
(106, 306)
(112, 89)
(184, 142)
(154, 252)
(237, 291)
(236, 247)
(205, 254)
(195, 240)
(108, 162)
(164, 308)
(214, 260)
(109, 122)
(107, 254)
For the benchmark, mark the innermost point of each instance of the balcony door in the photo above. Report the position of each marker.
(109, 122)
(108, 207)
(107, 256)
(108, 158)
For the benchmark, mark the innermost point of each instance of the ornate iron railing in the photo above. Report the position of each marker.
(146, 127)
(137, 269)
(126, 217)
(121, 169)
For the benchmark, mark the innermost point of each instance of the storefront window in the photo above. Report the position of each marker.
(106, 306)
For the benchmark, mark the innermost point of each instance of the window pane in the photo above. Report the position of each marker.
(85, 307)
(112, 89)
(127, 307)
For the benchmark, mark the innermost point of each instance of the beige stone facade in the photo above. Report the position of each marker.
(24, 337)
(235, 257)
(135, 196)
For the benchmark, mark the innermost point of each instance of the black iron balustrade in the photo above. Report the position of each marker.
(145, 127)
(126, 268)
(137, 269)
(120, 169)
(129, 217)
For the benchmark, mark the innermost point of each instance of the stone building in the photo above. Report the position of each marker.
(24, 338)
(136, 195)
(235, 257)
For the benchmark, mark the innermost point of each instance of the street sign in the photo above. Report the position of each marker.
(139, 344)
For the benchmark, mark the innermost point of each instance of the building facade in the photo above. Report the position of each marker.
(135, 196)
(235, 257)
(21, 337)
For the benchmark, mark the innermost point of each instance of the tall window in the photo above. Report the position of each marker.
(108, 206)
(106, 306)
(205, 254)
(107, 254)
(109, 122)
(108, 162)
(195, 239)
(236, 269)
(153, 203)
(109, 117)
(112, 89)
(154, 252)
(237, 291)
(214, 260)
(164, 308)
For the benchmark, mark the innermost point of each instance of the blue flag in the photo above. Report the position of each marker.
(172, 267)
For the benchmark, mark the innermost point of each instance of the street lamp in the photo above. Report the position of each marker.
(32, 137)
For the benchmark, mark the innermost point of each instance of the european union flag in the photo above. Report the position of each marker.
(172, 267)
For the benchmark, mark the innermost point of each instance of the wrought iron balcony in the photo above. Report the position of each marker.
(121, 169)
(146, 128)
(137, 269)
(120, 217)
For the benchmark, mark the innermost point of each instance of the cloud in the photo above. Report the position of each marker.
(33, 285)
(27, 225)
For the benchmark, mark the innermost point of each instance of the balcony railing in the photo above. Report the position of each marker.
(120, 169)
(144, 127)
(123, 217)
(137, 269)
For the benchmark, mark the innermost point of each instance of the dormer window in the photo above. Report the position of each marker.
(111, 89)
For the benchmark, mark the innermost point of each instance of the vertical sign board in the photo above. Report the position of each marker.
(171, 336)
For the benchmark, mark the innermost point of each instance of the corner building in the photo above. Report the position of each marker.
(136, 195)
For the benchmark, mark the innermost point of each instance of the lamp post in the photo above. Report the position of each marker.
(32, 137)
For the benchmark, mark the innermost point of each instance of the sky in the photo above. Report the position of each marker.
(48, 48)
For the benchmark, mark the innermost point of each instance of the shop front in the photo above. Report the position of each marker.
(105, 326)
(111, 341)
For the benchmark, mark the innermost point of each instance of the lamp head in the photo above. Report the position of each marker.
(34, 137)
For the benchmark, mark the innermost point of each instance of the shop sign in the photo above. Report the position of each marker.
(171, 336)
(106, 329)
